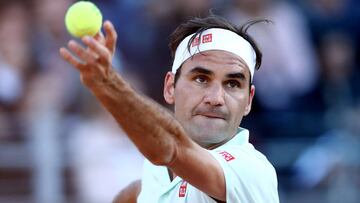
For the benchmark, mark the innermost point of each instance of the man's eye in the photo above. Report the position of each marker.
(233, 84)
(200, 79)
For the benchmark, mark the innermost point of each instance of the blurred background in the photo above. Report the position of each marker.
(57, 145)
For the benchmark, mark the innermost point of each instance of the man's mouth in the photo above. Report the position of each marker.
(212, 115)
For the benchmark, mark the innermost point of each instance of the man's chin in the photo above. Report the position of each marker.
(209, 133)
(210, 139)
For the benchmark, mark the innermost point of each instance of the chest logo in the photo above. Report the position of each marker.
(207, 38)
(182, 190)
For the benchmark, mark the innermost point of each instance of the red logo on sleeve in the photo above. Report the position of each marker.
(227, 156)
(207, 38)
(182, 190)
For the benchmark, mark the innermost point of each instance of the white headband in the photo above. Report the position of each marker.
(216, 39)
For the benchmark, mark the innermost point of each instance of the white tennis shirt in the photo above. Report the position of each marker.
(249, 176)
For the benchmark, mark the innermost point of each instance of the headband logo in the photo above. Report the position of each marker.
(205, 39)
(195, 42)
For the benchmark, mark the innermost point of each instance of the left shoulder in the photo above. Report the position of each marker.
(243, 156)
(249, 176)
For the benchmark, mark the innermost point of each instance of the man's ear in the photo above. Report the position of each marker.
(169, 88)
(248, 106)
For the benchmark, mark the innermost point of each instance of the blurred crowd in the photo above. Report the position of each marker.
(305, 117)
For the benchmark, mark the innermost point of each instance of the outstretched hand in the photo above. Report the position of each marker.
(93, 62)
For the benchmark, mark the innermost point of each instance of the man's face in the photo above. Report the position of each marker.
(211, 96)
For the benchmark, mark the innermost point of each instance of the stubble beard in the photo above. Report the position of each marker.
(206, 134)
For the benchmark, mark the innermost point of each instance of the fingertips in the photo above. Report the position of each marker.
(111, 36)
(74, 46)
(86, 40)
(100, 37)
(90, 42)
(62, 50)
(67, 56)
(108, 25)
(85, 55)
(109, 29)
(97, 49)
(63, 53)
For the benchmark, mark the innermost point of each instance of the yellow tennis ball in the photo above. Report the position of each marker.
(83, 18)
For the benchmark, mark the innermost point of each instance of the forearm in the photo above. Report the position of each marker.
(151, 128)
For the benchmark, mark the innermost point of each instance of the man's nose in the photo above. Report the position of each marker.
(215, 95)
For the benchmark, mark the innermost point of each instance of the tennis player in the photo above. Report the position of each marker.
(197, 154)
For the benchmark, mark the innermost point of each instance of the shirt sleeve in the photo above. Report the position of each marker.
(249, 176)
(149, 187)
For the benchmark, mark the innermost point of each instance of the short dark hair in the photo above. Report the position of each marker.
(198, 25)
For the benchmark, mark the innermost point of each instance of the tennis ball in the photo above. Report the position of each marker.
(83, 18)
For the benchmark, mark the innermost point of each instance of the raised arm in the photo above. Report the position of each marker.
(155, 132)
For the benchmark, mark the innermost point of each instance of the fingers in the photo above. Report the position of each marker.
(111, 36)
(86, 55)
(67, 56)
(99, 49)
(100, 37)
